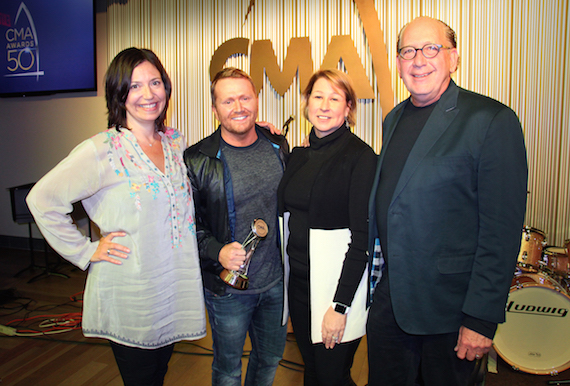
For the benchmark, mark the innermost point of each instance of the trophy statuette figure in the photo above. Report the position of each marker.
(238, 279)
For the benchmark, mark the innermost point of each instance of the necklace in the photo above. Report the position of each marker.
(153, 141)
(149, 144)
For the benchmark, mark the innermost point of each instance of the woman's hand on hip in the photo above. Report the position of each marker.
(107, 250)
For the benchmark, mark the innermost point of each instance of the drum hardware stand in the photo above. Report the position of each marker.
(477, 377)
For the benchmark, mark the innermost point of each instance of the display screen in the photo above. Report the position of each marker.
(46, 47)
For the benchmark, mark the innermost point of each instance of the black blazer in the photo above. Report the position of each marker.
(338, 199)
(455, 219)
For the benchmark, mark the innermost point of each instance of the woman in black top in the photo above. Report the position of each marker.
(324, 193)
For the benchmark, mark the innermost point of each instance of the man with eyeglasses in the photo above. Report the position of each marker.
(446, 214)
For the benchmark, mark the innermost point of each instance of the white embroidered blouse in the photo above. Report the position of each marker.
(155, 297)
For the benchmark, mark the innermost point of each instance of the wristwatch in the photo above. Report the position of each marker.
(340, 308)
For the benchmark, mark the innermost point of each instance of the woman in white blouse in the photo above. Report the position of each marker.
(144, 289)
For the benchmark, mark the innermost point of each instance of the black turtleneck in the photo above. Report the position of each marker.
(403, 140)
(327, 186)
(297, 198)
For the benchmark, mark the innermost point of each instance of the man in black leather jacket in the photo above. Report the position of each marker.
(234, 175)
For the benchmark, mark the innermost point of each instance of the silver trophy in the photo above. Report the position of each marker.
(238, 279)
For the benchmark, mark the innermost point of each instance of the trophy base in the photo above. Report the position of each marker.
(235, 279)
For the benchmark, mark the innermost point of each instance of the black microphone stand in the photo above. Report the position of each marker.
(285, 128)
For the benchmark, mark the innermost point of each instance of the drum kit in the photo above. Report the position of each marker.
(534, 338)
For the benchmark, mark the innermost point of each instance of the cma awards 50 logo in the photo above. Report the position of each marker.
(22, 49)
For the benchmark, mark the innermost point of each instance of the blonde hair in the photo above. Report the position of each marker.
(229, 72)
(341, 81)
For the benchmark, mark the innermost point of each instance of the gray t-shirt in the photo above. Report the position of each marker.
(255, 172)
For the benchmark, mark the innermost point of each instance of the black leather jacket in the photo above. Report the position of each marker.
(209, 177)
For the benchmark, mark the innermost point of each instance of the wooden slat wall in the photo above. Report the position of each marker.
(514, 51)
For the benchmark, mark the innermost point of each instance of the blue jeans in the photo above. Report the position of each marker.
(231, 317)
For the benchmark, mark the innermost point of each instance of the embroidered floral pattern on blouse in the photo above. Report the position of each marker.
(191, 224)
(114, 143)
(150, 186)
(173, 183)
(147, 184)
(124, 168)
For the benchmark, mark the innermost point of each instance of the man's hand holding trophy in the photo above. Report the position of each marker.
(237, 277)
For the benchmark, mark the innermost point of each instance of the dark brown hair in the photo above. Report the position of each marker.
(118, 83)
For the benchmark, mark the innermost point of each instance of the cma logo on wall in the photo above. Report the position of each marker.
(298, 58)
(22, 48)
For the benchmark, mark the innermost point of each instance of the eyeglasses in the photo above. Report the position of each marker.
(429, 51)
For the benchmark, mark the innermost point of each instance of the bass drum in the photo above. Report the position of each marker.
(534, 337)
